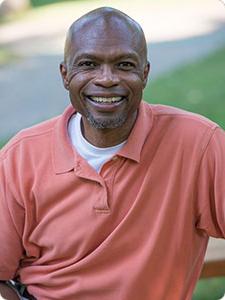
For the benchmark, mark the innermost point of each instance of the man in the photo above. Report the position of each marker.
(115, 198)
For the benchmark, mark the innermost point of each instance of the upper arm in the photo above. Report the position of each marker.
(211, 187)
(11, 222)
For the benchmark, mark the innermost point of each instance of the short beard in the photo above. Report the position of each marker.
(107, 124)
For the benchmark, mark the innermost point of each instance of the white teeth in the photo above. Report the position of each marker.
(106, 100)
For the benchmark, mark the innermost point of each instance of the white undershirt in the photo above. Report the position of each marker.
(95, 156)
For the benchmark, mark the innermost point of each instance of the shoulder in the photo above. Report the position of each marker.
(33, 136)
(179, 120)
(181, 116)
(37, 140)
(179, 127)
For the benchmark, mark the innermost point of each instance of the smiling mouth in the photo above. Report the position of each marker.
(106, 100)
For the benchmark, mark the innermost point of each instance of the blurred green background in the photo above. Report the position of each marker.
(198, 86)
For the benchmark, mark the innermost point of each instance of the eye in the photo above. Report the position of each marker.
(126, 65)
(87, 64)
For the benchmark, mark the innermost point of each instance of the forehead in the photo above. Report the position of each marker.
(104, 25)
(104, 38)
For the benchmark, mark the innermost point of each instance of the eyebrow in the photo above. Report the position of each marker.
(85, 55)
(88, 55)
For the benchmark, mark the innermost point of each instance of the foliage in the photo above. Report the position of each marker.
(36, 3)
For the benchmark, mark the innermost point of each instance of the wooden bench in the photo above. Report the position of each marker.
(214, 265)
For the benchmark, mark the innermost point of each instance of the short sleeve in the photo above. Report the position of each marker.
(210, 187)
(11, 228)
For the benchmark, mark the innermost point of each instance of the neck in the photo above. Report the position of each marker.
(104, 138)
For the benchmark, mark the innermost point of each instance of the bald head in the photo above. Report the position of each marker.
(100, 22)
(105, 71)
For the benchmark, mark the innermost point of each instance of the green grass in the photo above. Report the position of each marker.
(198, 87)
(6, 57)
(210, 289)
(3, 142)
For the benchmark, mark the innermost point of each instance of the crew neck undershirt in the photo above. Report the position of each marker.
(95, 156)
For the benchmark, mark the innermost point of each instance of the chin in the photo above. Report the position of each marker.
(106, 123)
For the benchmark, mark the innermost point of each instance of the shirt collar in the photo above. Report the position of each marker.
(142, 127)
(62, 149)
(64, 158)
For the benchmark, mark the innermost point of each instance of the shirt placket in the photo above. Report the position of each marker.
(103, 180)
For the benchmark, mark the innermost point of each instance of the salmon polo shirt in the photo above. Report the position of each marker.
(137, 230)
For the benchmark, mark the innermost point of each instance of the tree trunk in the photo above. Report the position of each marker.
(12, 6)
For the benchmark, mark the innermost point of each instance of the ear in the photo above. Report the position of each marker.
(63, 71)
(146, 73)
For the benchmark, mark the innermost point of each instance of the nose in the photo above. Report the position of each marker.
(106, 77)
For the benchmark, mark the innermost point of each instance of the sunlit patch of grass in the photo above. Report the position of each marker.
(7, 57)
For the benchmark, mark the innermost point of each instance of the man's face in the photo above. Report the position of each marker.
(105, 75)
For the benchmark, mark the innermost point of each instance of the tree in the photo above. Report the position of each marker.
(12, 6)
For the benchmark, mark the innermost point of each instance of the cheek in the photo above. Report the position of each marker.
(79, 77)
(77, 83)
(136, 83)
(75, 91)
